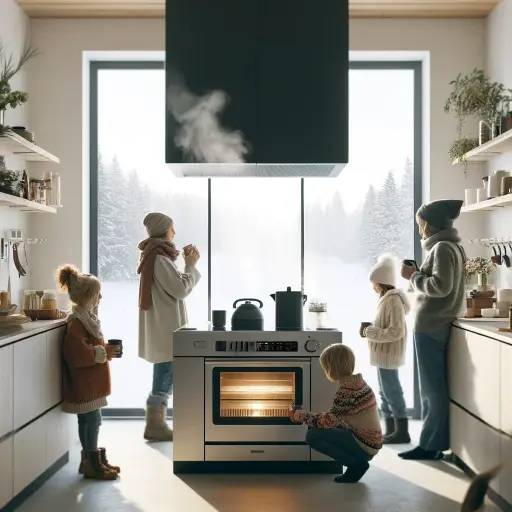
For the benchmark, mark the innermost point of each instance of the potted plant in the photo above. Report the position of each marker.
(9, 180)
(460, 147)
(482, 267)
(475, 96)
(9, 67)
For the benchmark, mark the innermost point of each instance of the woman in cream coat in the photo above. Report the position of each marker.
(162, 292)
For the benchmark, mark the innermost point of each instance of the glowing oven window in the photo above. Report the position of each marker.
(256, 394)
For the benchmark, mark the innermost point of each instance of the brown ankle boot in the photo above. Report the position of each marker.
(156, 426)
(93, 468)
(104, 461)
(83, 460)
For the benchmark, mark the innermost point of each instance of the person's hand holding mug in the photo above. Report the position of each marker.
(362, 329)
(191, 255)
(409, 267)
(112, 351)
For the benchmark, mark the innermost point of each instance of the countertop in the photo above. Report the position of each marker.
(13, 334)
(489, 329)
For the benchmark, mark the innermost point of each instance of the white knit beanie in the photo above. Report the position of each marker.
(384, 271)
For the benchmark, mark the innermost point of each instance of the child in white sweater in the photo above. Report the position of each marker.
(387, 339)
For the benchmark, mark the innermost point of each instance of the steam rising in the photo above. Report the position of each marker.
(200, 135)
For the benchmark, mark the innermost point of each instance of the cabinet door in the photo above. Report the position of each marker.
(505, 479)
(54, 368)
(474, 376)
(58, 434)
(6, 477)
(474, 442)
(29, 454)
(30, 379)
(6, 390)
(506, 386)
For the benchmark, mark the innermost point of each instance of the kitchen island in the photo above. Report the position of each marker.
(480, 380)
(232, 394)
(34, 432)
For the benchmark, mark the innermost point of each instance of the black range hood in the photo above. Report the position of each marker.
(257, 87)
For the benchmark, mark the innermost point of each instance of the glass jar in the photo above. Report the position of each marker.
(318, 317)
(36, 190)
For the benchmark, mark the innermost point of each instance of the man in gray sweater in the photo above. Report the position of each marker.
(440, 286)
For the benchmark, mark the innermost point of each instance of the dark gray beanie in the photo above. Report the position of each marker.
(440, 214)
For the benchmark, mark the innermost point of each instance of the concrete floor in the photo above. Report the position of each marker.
(147, 484)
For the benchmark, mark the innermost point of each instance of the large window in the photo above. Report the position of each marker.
(369, 209)
(256, 235)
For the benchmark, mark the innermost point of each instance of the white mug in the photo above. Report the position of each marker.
(481, 195)
(470, 196)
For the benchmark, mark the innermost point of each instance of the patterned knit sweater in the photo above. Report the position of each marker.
(355, 409)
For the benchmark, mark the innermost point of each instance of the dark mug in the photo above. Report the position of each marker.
(219, 318)
(117, 342)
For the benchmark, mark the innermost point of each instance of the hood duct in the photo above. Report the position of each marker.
(257, 87)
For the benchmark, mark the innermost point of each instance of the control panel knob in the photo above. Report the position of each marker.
(311, 346)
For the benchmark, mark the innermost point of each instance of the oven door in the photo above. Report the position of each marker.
(248, 400)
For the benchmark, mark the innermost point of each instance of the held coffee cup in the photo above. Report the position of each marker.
(364, 325)
(117, 342)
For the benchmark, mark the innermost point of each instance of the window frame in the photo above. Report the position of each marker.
(96, 66)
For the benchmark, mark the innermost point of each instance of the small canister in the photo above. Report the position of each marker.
(510, 318)
(506, 185)
(49, 301)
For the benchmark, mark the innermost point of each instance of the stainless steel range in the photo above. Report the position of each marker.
(232, 394)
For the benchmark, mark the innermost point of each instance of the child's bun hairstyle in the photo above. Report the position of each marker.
(65, 274)
(82, 289)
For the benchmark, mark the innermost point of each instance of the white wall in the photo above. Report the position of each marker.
(56, 108)
(499, 67)
(13, 33)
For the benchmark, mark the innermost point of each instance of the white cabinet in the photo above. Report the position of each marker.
(6, 472)
(505, 478)
(30, 379)
(29, 454)
(6, 390)
(474, 442)
(58, 434)
(506, 387)
(54, 366)
(474, 376)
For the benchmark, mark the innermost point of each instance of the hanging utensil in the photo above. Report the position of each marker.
(495, 258)
(17, 263)
(505, 257)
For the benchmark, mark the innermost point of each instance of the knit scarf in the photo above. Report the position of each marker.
(150, 249)
(88, 319)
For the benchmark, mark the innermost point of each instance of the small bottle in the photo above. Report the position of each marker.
(510, 317)
(47, 177)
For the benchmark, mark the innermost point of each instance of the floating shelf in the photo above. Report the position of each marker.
(489, 205)
(494, 147)
(13, 144)
(23, 205)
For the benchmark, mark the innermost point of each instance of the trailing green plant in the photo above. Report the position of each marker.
(9, 67)
(476, 96)
(9, 180)
(460, 147)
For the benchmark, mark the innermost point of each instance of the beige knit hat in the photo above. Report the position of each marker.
(157, 224)
(384, 271)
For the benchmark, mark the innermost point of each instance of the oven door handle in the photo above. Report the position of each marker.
(257, 362)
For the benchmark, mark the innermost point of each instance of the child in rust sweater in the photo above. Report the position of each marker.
(85, 369)
(350, 430)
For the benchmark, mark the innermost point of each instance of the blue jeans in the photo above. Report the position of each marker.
(431, 352)
(391, 394)
(162, 384)
(89, 429)
(339, 444)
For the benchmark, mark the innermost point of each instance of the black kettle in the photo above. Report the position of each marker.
(247, 317)
(289, 307)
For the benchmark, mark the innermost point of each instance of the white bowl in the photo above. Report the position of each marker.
(489, 312)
